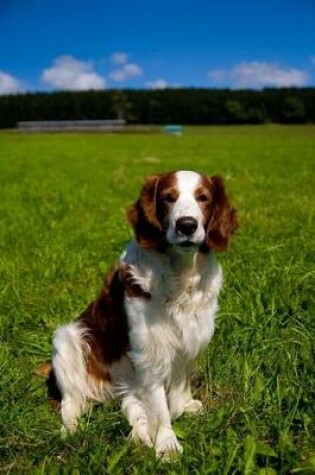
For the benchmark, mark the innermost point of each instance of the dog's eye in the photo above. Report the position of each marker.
(202, 198)
(169, 198)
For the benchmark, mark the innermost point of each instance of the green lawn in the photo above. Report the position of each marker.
(62, 224)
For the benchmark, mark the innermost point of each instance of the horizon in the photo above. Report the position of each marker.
(144, 89)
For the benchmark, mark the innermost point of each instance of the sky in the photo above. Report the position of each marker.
(50, 45)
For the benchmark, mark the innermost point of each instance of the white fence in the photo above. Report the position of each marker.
(72, 126)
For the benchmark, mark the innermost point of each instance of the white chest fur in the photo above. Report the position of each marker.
(172, 327)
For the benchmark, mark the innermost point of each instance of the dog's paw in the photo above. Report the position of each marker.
(167, 446)
(193, 406)
(69, 426)
(140, 433)
(68, 430)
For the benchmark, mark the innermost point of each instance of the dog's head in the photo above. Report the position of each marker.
(183, 209)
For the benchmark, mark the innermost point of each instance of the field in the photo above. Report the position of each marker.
(62, 224)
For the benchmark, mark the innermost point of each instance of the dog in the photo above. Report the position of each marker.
(137, 341)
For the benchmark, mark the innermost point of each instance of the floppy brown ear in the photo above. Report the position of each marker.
(142, 216)
(223, 222)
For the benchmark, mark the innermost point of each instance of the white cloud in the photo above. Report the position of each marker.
(125, 72)
(9, 84)
(218, 75)
(133, 69)
(119, 58)
(71, 74)
(157, 84)
(259, 74)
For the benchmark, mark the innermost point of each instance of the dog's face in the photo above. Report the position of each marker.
(183, 209)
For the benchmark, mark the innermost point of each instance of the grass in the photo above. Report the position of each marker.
(63, 200)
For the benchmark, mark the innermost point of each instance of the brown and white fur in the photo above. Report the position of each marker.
(155, 313)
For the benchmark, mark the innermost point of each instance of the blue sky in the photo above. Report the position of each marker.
(83, 44)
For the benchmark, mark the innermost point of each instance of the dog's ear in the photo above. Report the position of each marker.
(142, 215)
(223, 221)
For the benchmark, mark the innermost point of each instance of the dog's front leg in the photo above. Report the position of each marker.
(180, 398)
(137, 417)
(166, 443)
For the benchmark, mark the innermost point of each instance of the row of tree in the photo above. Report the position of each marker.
(184, 106)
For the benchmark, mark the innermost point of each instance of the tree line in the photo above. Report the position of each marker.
(183, 106)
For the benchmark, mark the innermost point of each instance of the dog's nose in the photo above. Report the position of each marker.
(186, 225)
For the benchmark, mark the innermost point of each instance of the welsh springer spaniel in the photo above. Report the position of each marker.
(155, 313)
